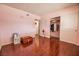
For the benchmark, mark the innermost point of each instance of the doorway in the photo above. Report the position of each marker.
(37, 33)
(55, 27)
(54, 35)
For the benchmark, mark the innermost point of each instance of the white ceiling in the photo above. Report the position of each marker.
(40, 8)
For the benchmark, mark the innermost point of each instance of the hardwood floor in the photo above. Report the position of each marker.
(0, 53)
(47, 47)
(63, 48)
(54, 46)
(68, 49)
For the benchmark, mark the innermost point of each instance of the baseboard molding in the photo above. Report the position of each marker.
(54, 37)
(69, 43)
(45, 37)
(4, 44)
(61, 40)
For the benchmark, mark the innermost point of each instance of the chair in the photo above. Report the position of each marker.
(16, 38)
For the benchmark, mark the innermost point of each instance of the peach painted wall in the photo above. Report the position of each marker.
(68, 23)
(78, 29)
(69, 28)
(13, 20)
(45, 24)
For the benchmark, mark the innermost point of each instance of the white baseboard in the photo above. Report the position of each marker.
(4, 44)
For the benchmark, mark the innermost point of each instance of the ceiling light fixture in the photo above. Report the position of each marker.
(27, 14)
